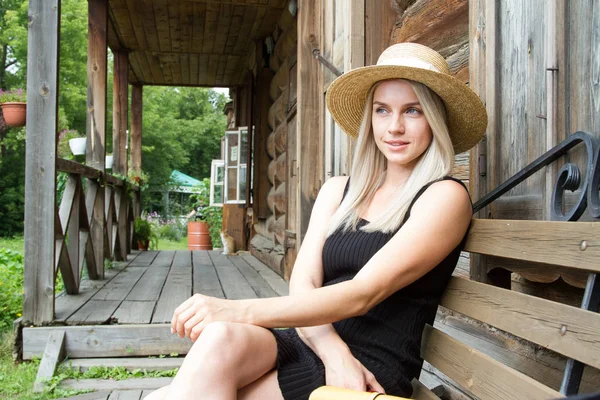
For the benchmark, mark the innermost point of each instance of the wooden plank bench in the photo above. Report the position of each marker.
(571, 331)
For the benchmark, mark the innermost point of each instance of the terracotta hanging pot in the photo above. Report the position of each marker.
(14, 113)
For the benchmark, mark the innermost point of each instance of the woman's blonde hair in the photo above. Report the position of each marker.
(369, 165)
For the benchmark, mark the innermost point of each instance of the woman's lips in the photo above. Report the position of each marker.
(396, 144)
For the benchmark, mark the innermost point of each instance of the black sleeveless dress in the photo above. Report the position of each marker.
(387, 339)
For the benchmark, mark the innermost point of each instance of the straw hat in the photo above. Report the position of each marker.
(467, 118)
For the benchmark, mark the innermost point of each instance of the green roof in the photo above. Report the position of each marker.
(180, 179)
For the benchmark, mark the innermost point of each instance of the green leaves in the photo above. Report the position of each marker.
(11, 287)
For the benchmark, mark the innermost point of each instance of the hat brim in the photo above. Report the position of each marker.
(467, 117)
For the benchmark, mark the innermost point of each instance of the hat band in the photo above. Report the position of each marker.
(408, 62)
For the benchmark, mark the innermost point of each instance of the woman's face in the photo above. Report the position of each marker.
(400, 128)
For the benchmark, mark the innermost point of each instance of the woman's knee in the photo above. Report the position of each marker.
(221, 340)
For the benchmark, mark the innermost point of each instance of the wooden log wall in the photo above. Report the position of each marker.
(272, 99)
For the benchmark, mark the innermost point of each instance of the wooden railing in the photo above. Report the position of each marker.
(81, 212)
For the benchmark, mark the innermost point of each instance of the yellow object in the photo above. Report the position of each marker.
(334, 393)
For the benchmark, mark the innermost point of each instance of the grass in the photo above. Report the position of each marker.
(165, 244)
(16, 379)
(17, 243)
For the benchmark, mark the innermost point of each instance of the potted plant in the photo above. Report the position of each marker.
(145, 235)
(14, 107)
(108, 161)
(64, 142)
(77, 145)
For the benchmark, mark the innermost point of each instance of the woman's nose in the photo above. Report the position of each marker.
(396, 124)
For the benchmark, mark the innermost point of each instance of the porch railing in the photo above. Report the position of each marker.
(79, 213)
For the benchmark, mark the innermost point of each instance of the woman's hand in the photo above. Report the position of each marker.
(192, 316)
(343, 370)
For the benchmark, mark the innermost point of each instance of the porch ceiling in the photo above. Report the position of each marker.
(189, 42)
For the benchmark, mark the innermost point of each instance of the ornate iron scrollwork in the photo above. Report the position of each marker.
(569, 178)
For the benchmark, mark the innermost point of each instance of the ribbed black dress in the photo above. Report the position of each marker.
(387, 339)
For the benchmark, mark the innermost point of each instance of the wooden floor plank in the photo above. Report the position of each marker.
(235, 286)
(163, 259)
(258, 284)
(144, 259)
(108, 341)
(126, 395)
(103, 395)
(150, 285)
(129, 363)
(177, 289)
(277, 283)
(219, 259)
(206, 280)
(94, 312)
(183, 259)
(53, 354)
(110, 384)
(66, 305)
(146, 393)
(120, 286)
(134, 312)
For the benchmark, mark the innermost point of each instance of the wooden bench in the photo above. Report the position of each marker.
(565, 248)
(571, 331)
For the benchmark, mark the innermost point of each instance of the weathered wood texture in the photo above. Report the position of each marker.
(53, 354)
(191, 43)
(96, 119)
(310, 106)
(537, 320)
(40, 166)
(136, 127)
(566, 244)
(480, 374)
(120, 112)
(142, 293)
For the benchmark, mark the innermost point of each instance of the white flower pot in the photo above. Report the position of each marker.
(108, 162)
(77, 146)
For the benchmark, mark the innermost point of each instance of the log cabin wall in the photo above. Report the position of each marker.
(275, 108)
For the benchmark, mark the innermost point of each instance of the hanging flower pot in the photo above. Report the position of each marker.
(14, 113)
(77, 146)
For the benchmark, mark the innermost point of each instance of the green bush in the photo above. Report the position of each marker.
(11, 287)
(172, 230)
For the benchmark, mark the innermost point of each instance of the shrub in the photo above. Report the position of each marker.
(11, 287)
(14, 95)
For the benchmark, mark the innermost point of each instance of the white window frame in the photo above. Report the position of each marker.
(213, 176)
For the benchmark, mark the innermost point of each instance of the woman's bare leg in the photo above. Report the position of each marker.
(226, 357)
(265, 387)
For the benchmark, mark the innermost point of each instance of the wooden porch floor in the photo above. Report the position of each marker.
(119, 321)
(151, 284)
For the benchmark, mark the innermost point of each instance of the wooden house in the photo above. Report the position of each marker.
(535, 63)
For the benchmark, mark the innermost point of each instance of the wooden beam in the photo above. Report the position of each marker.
(120, 112)
(379, 23)
(308, 115)
(136, 128)
(108, 341)
(564, 329)
(478, 373)
(96, 116)
(567, 244)
(40, 166)
(53, 354)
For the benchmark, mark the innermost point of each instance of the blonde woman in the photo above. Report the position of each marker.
(377, 255)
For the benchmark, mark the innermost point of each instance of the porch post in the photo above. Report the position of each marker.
(120, 111)
(136, 141)
(40, 165)
(120, 118)
(96, 123)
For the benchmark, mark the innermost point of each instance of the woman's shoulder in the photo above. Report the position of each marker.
(332, 191)
(445, 192)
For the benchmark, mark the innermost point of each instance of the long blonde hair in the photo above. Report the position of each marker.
(369, 165)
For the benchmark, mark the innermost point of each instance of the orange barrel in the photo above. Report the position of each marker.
(198, 236)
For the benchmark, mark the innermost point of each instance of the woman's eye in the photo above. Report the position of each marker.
(413, 110)
(380, 110)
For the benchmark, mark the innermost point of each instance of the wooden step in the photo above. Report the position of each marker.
(130, 364)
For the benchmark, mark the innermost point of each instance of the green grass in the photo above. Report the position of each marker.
(17, 243)
(165, 244)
